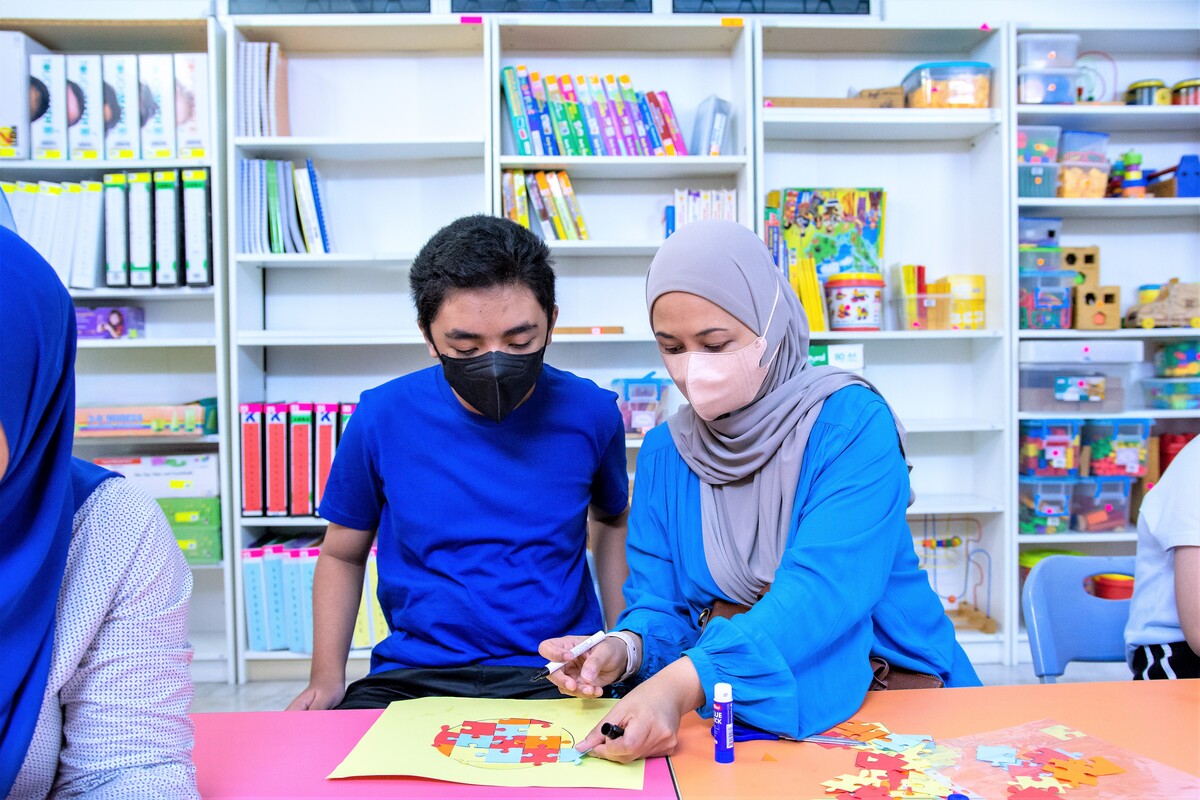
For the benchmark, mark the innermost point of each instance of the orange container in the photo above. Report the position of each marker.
(1112, 586)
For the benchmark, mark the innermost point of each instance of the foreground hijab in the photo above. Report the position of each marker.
(41, 489)
(748, 461)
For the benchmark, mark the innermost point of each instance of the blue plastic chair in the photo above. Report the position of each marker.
(1064, 622)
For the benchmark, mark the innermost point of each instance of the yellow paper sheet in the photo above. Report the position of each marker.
(486, 742)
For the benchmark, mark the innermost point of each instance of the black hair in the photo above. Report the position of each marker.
(478, 252)
(147, 106)
(41, 104)
(112, 108)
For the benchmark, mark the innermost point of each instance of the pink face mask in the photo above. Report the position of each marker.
(719, 383)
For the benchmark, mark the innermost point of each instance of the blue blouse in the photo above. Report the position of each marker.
(848, 586)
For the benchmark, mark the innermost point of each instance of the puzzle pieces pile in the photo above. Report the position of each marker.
(513, 742)
(893, 765)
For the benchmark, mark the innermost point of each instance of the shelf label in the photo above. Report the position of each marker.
(731, 22)
(1076, 389)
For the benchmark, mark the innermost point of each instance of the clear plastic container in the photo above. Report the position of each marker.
(1037, 180)
(1044, 259)
(935, 312)
(1043, 50)
(1178, 360)
(1086, 146)
(1045, 505)
(1178, 394)
(1081, 351)
(1037, 144)
(1039, 231)
(1100, 504)
(1117, 447)
(1046, 299)
(1046, 86)
(1074, 388)
(1049, 448)
(949, 84)
(642, 401)
(1083, 180)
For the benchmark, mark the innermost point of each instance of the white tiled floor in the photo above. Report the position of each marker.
(275, 695)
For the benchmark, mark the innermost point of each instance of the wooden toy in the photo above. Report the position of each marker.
(1177, 306)
(1097, 308)
(1085, 261)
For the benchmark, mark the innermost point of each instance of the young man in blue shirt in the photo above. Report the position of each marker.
(481, 476)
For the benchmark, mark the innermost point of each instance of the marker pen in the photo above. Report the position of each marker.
(576, 651)
(723, 723)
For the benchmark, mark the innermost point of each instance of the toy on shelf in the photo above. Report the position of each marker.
(1133, 180)
(1178, 359)
(1116, 447)
(1050, 448)
(1086, 263)
(1184, 180)
(1176, 306)
(957, 566)
(1045, 299)
(1100, 504)
(1097, 308)
(1186, 93)
(1083, 180)
(1175, 394)
(1148, 93)
(1037, 144)
(1045, 505)
(643, 401)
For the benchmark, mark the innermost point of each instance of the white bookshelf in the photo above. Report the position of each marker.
(184, 354)
(394, 111)
(1141, 240)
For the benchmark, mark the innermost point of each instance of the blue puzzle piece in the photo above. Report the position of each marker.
(509, 731)
(997, 756)
(899, 742)
(481, 741)
(494, 756)
(569, 755)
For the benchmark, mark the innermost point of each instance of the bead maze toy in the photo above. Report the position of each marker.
(950, 553)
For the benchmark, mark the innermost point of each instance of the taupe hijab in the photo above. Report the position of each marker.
(748, 461)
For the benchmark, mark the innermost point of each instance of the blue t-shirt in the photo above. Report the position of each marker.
(482, 525)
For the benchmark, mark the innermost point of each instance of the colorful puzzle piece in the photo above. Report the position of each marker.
(569, 755)
(1043, 755)
(1063, 732)
(1029, 770)
(1073, 771)
(861, 731)
(475, 728)
(550, 742)
(473, 741)
(515, 743)
(996, 756)
(1040, 782)
(868, 760)
(496, 756)
(899, 742)
(511, 731)
(1101, 766)
(539, 756)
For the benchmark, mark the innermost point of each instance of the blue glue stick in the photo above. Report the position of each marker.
(723, 723)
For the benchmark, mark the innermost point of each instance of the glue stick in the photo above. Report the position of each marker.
(723, 723)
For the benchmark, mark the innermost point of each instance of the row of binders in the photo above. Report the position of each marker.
(262, 104)
(693, 205)
(556, 212)
(87, 107)
(281, 208)
(287, 452)
(136, 229)
(590, 116)
(277, 582)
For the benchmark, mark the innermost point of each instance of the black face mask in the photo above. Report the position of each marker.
(493, 383)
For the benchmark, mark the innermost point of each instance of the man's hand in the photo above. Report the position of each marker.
(318, 697)
(590, 673)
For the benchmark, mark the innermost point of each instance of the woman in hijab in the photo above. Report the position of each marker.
(93, 588)
(768, 546)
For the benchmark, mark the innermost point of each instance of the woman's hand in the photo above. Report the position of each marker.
(650, 716)
(590, 673)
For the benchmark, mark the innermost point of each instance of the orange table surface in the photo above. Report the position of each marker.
(1157, 719)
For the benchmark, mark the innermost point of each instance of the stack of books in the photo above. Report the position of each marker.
(556, 213)
(588, 116)
(262, 101)
(692, 205)
(281, 208)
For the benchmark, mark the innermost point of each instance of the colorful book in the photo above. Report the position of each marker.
(539, 138)
(539, 207)
(274, 222)
(522, 201)
(560, 205)
(629, 96)
(300, 462)
(629, 140)
(344, 414)
(275, 424)
(606, 114)
(575, 116)
(508, 196)
(652, 134)
(251, 416)
(672, 123)
(572, 203)
(549, 132)
(326, 422)
(558, 114)
(558, 223)
(591, 116)
(315, 180)
(660, 123)
(516, 111)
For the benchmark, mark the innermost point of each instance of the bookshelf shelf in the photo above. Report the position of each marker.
(145, 441)
(941, 504)
(644, 167)
(332, 148)
(144, 344)
(173, 295)
(1076, 538)
(1121, 333)
(283, 522)
(1112, 207)
(339, 34)
(600, 247)
(1137, 413)
(888, 124)
(45, 170)
(326, 260)
(939, 425)
(1113, 118)
(332, 338)
(907, 336)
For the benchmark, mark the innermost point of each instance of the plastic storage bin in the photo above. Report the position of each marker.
(1039, 231)
(551, 6)
(1086, 146)
(949, 84)
(1178, 360)
(1117, 447)
(1050, 448)
(1081, 351)
(328, 6)
(1045, 505)
(1177, 394)
(1037, 144)
(1043, 259)
(1083, 180)
(1043, 50)
(931, 312)
(1037, 180)
(1100, 504)
(770, 7)
(1046, 299)
(642, 401)
(1074, 388)
(1046, 86)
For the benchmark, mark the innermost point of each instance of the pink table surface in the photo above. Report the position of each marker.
(269, 754)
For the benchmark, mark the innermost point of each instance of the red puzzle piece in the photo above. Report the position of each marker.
(514, 742)
(870, 793)
(539, 756)
(895, 777)
(473, 728)
(444, 741)
(879, 761)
